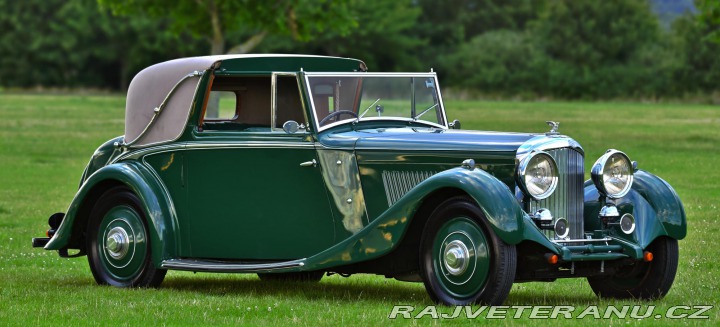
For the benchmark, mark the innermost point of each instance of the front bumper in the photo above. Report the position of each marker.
(598, 249)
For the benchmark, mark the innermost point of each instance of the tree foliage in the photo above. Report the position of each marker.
(591, 33)
(709, 18)
(387, 39)
(73, 43)
(558, 48)
(214, 20)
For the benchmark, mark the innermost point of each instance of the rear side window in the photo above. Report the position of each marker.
(223, 105)
(238, 103)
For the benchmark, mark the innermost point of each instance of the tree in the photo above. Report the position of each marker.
(71, 43)
(591, 33)
(699, 48)
(386, 38)
(449, 25)
(710, 18)
(500, 62)
(214, 20)
(592, 46)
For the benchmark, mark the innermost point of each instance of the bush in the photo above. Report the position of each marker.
(503, 62)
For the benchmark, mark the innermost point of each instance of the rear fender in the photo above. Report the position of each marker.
(159, 209)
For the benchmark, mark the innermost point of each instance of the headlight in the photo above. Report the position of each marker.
(538, 175)
(613, 174)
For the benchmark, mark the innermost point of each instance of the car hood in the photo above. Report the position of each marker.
(427, 140)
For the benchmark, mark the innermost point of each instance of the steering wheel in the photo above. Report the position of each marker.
(335, 114)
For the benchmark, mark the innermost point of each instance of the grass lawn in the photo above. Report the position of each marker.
(46, 140)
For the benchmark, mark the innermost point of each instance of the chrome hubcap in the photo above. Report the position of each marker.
(117, 243)
(457, 257)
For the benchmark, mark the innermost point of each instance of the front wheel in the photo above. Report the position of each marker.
(118, 244)
(462, 261)
(645, 280)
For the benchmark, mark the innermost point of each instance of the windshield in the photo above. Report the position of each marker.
(350, 97)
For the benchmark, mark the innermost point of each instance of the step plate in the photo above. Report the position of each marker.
(226, 266)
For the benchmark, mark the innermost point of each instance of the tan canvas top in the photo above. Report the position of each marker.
(149, 88)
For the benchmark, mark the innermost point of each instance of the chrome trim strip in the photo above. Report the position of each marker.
(398, 119)
(273, 99)
(369, 74)
(223, 266)
(135, 154)
(440, 101)
(249, 144)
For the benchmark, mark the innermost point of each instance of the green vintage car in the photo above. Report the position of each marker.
(294, 166)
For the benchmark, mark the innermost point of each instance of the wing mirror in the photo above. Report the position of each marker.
(291, 127)
(455, 124)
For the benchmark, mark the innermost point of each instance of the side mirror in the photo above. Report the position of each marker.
(291, 127)
(455, 124)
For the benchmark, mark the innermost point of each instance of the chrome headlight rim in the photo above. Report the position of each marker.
(598, 169)
(522, 170)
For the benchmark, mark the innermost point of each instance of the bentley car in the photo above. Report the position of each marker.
(292, 167)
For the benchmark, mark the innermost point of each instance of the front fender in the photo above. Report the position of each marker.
(159, 209)
(655, 205)
(507, 219)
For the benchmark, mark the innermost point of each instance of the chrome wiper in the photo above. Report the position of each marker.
(426, 110)
(366, 110)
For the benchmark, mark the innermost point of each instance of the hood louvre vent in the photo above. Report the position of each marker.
(398, 183)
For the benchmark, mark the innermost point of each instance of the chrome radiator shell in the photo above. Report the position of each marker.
(567, 200)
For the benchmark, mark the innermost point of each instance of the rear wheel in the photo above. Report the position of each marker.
(462, 261)
(646, 280)
(301, 276)
(118, 243)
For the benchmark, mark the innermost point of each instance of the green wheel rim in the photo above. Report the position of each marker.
(461, 257)
(122, 243)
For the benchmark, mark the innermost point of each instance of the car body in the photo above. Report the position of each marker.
(293, 166)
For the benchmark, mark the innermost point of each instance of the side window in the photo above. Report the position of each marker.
(238, 104)
(288, 104)
(223, 105)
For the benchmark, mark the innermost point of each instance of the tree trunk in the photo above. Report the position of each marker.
(248, 45)
(217, 47)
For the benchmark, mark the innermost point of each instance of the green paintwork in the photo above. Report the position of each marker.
(102, 156)
(287, 64)
(255, 201)
(502, 210)
(422, 150)
(652, 201)
(158, 208)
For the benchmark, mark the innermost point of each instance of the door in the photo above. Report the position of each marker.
(255, 191)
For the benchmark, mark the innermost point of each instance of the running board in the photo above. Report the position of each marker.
(227, 266)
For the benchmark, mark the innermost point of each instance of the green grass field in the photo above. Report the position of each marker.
(46, 140)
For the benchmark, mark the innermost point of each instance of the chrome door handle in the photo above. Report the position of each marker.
(309, 163)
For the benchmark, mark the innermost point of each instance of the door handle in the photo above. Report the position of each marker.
(309, 163)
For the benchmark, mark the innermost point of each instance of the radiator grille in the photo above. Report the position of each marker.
(397, 183)
(567, 200)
